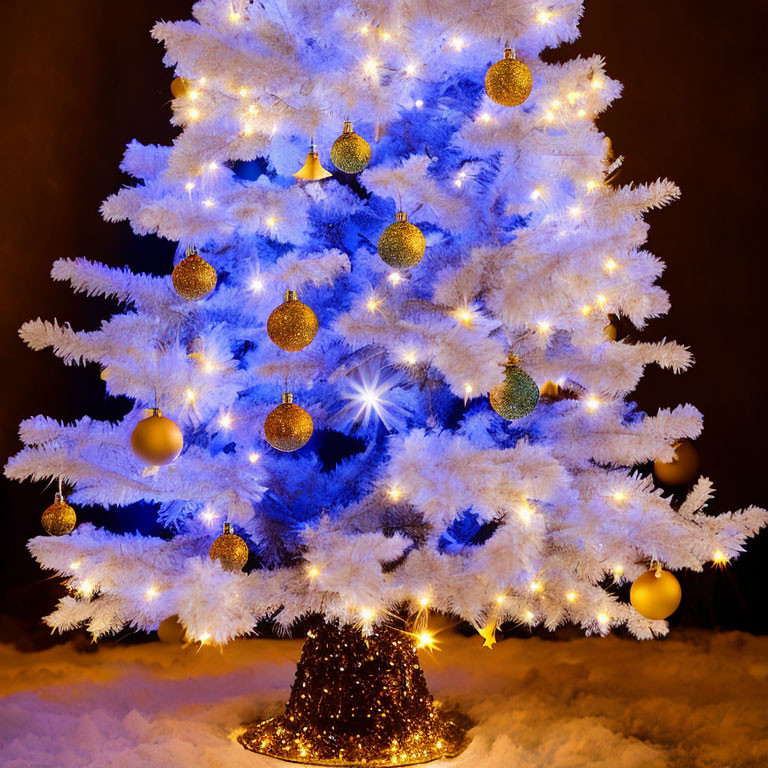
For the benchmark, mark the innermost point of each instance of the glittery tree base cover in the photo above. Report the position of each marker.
(356, 701)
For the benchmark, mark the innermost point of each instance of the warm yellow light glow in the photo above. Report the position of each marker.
(189, 186)
(424, 602)
(500, 599)
(234, 17)
(385, 35)
(575, 211)
(204, 638)
(395, 278)
(394, 493)
(529, 615)
(536, 586)
(313, 572)
(618, 570)
(410, 358)
(582, 113)
(544, 326)
(364, 30)
(208, 203)
(457, 43)
(591, 184)
(371, 67)
(189, 394)
(410, 69)
(619, 496)
(464, 316)
(372, 304)
(601, 300)
(720, 558)
(86, 588)
(367, 614)
(592, 404)
(573, 96)
(603, 617)
(252, 109)
(248, 130)
(571, 597)
(213, 165)
(194, 94)
(225, 420)
(419, 103)
(194, 114)
(151, 593)
(485, 117)
(208, 366)
(610, 265)
(597, 83)
(243, 92)
(468, 389)
(426, 639)
(525, 512)
(257, 285)
(74, 566)
(203, 80)
(586, 309)
(556, 104)
(536, 194)
(254, 457)
(543, 17)
(549, 116)
(271, 221)
(208, 515)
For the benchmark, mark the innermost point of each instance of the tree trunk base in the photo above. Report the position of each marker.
(358, 701)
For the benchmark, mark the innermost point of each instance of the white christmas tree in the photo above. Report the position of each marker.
(529, 515)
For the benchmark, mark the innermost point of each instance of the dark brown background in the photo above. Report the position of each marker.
(83, 78)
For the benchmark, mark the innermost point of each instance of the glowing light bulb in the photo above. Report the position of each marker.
(485, 117)
(610, 265)
(600, 300)
(419, 103)
(194, 114)
(410, 358)
(371, 67)
(385, 35)
(529, 616)
(536, 586)
(500, 599)
(603, 618)
(372, 304)
(410, 70)
(464, 316)
(457, 43)
(597, 83)
(74, 566)
(252, 109)
(313, 572)
(151, 593)
(586, 309)
(243, 92)
(367, 614)
(256, 285)
(543, 17)
(189, 186)
(194, 95)
(468, 389)
(544, 326)
(208, 366)
(619, 496)
(536, 194)
(247, 130)
(364, 30)
(618, 569)
(395, 278)
(556, 104)
(571, 597)
(591, 184)
(213, 165)
(720, 558)
(423, 602)
(225, 421)
(208, 515)
(234, 17)
(204, 638)
(592, 404)
(525, 512)
(575, 211)
(203, 80)
(394, 493)
(87, 588)
(254, 457)
(189, 394)
(549, 116)
(572, 97)
(209, 203)
(582, 113)
(271, 221)
(425, 639)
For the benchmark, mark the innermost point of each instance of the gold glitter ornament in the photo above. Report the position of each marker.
(292, 325)
(312, 170)
(517, 395)
(229, 549)
(157, 440)
(358, 700)
(60, 518)
(508, 82)
(288, 427)
(193, 277)
(350, 153)
(180, 87)
(402, 244)
(656, 594)
(683, 469)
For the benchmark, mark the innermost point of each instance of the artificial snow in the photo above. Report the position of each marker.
(695, 700)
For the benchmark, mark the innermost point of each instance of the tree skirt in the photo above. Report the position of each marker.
(695, 700)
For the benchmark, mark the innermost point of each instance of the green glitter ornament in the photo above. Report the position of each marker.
(517, 395)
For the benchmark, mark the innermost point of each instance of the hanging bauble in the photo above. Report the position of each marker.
(60, 518)
(288, 426)
(683, 469)
(229, 549)
(171, 631)
(312, 170)
(517, 395)
(656, 594)
(402, 244)
(193, 277)
(508, 82)
(292, 325)
(610, 331)
(180, 87)
(157, 440)
(350, 153)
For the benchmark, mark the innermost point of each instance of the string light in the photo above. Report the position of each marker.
(601, 300)
(193, 95)
(395, 493)
(536, 194)
(619, 496)
(86, 588)
(410, 70)
(500, 599)
(243, 92)
(543, 17)
(194, 114)
(571, 597)
(213, 165)
(457, 43)
(720, 558)
(203, 80)
(208, 515)
(364, 30)
(367, 614)
(189, 394)
(529, 616)
(372, 304)
(395, 278)
(586, 309)
(573, 97)
(424, 601)
(485, 117)
(525, 512)
(582, 113)
(575, 211)
(371, 67)
(426, 639)
(225, 420)
(603, 618)
(209, 203)
(313, 572)
(75, 565)
(592, 404)
(252, 109)
(464, 316)
(248, 130)
(254, 457)
(597, 84)
(385, 35)
(419, 103)
(549, 116)
(271, 222)
(151, 593)
(189, 186)
(410, 358)
(208, 366)
(234, 17)
(204, 638)
(618, 569)
(610, 265)
(591, 184)
(468, 389)
(257, 285)
(536, 586)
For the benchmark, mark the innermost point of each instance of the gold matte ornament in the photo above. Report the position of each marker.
(180, 87)
(312, 170)
(508, 82)
(60, 518)
(656, 594)
(288, 427)
(683, 469)
(402, 244)
(350, 153)
(157, 440)
(292, 325)
(193, 277)
(517, 395)
(229, 549)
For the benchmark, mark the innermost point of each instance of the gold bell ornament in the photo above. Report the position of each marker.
(60, 518)
(350, 153)
(402, 244)
(229, 549)
(656, 594)
(517, 395)
(312, 170)
(508, 82)
(288, 426)
(193, 277)
(292, 325)
(180, 87)
(157, 440)
(683, 469)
